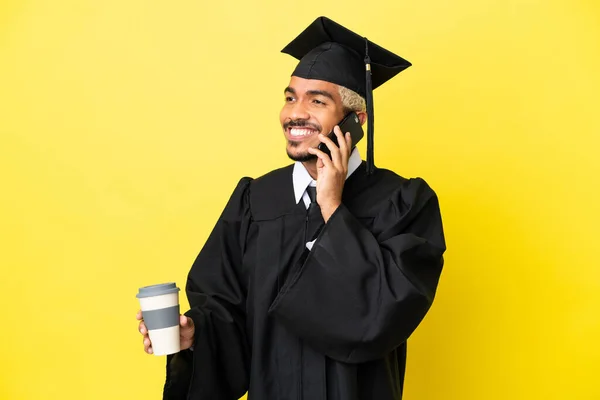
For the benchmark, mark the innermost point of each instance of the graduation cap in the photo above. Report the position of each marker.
(330, 52)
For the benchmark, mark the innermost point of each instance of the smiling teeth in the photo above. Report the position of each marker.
(300, 132)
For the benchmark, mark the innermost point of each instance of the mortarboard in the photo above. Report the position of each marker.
(330, 52)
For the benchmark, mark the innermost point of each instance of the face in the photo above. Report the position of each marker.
(311, 107)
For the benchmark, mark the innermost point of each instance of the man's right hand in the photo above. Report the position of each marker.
(186, 332)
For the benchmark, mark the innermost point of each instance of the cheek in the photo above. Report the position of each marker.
(282, 115)
(328, 122)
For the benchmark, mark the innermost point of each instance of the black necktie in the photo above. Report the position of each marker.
(312, 194)
(314, 219)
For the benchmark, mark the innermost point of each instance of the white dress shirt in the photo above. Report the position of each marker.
(302, 179)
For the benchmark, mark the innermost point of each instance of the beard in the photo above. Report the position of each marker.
(300, 123)
(302, 157)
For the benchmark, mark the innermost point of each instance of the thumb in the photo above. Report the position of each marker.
(183, 320)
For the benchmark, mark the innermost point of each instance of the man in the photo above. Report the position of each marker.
(297, 296)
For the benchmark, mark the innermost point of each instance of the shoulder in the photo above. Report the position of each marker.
(275, 175)
(268, 196)
(396, 183)
(272, 185)
(409, 205)
(237, 205)
(249, 185)
(386, 186)
(404, 195)
(257, 195)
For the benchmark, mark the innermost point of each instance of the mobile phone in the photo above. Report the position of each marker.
(350, 123)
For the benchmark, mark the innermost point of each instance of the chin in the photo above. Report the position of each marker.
(297, 155)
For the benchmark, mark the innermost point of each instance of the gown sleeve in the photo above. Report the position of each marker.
(218, 366)
(359, 295)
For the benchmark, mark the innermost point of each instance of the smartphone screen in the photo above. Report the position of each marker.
(350, 123)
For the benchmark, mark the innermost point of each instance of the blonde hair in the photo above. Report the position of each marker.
(351, 100)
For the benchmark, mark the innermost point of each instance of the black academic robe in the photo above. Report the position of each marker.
(286, 323)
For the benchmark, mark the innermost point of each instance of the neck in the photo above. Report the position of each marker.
(311, 167)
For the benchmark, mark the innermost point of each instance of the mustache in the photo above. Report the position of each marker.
(301, 123)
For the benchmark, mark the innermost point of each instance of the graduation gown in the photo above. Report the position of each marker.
(285, 323)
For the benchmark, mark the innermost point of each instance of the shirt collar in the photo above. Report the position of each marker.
(302, 178)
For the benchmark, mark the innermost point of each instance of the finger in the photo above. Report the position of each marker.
(183, 321)
(148, 346)
(324, 158)
(138, 316)
(333, 149)
(349, 142)
(319, 164)
(142, 328)
(343, 147)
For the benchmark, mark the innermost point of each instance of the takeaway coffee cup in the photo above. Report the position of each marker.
(160, 311)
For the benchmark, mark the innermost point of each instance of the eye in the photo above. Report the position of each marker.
(318, 102)
(289, 99)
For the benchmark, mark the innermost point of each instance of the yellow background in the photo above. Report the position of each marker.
(124, 126)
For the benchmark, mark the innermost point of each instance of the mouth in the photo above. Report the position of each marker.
(300, 133)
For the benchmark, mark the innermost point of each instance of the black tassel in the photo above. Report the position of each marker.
(370, 116)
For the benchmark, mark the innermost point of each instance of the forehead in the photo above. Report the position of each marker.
(302, 86)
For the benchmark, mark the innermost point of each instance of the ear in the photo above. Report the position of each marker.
(362, 116)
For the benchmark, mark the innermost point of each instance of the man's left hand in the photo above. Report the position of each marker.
(331, 172)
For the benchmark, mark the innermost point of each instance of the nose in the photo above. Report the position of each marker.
(299, 111)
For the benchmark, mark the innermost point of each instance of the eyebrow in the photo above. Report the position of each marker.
(320, 93)
(311, 92)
